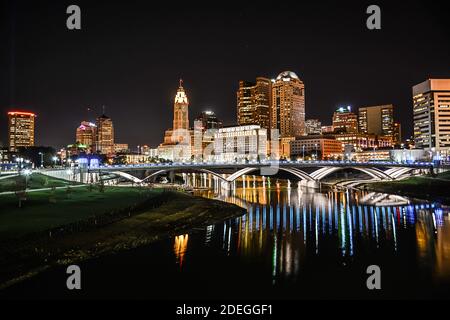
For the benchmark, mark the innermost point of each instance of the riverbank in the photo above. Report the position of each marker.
(155, 216)
(34, 181)
(429, 188)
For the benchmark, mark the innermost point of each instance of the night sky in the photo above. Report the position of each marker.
(130, 55)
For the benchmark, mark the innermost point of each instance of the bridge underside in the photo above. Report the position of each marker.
(310, 179)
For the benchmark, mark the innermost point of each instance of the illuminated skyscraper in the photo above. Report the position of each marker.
(253, 102)
(288, 105)
(397, 133)
(209, 120)
(86, 135)
(245, 103)
(105, 135)
(20, 129)
(177, 140)
(345, 121)
(432, 115)
(206, 126)
(377, 120)
(181, 110)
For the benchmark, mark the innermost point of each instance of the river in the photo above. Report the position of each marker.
(292, 243)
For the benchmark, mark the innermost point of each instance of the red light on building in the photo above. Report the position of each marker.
(21, 113)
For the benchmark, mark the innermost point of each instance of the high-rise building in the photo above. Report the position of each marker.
(313, 127)
(105, 135)
(263, 101)
(432, 115)
(20, 129)
(209, 120)
(377, 120)
(177, 140)
(206, 126)
(288, 105)
(345, 121)
(253, 102)
(245, 103)
(179, 133)
(181, 110)
(397, 139)
(86, 135)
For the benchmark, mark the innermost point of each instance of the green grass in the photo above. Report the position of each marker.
(444, 175)
(38, 213)
(26, 257)
(436, 189)
(35, 181)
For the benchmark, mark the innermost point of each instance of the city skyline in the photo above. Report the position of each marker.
(238, 152)
(182, 118)
(54, 83)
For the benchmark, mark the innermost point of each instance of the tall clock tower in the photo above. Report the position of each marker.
(181, 110)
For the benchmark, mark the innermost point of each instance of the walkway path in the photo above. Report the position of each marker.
(43, 189)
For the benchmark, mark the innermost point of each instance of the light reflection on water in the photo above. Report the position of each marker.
(292, 243)
(180, 247)
(288, 226)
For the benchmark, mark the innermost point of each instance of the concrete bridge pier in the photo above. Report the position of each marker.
(310, 184)
(172, 177)
(226, 185)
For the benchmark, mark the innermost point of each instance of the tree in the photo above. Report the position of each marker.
(52, 197)
(101, 186)
(22, 196)
(68, 192)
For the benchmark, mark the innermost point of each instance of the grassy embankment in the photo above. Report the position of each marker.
(35, 181)
(59, 227)
(435, 188)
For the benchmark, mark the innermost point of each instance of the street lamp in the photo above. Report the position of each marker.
(26, 173)
(54, 161)
(316, 151)
(20, 161)
(303, 147)
(42, 159)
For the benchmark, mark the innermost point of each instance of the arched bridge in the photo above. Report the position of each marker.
(314, 173)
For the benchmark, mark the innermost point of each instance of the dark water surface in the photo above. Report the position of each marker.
(293, 243)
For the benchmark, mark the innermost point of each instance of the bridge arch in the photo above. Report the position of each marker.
(317, 175)
(296, 172)
(373, 172)
(155, 174)
(398, 172)
(127, 176)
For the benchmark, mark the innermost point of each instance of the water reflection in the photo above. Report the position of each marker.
(180, 247)
(287, 226)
